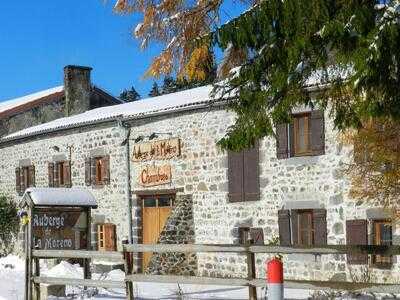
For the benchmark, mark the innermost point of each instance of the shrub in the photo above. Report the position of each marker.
(9, 224)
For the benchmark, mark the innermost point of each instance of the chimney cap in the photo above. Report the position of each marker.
(78, 67)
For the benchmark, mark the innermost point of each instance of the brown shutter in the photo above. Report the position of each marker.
(57, 174)
(257, 236)
(320, 230)
(105, 169)
(88, 177)
(31, 174)
(18, 180)
(357, 234)
(235, 176)
(50, 170)
(291, 139)
(107, 237)
(284, 227)
(317, 132)
(251, 174)
(281, 141)
(294, 224)
(67, 173)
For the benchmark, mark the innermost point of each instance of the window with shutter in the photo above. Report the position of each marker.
(357, 234)
(97, 171)
(62, 174)
(382, 235)
(244, 175)
(244, 235)
(284, 227)
(106, 237)
(307, 227)
(304, 136)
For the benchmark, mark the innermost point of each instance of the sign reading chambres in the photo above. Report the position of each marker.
(162, 149)
(59, 228)
(155, 175)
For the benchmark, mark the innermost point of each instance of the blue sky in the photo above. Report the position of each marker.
(38, 38)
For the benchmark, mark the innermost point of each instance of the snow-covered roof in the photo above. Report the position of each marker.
(58, 197)
(14, 103)
(166, 103)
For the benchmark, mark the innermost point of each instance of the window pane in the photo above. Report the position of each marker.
(164, 201)
(301, 135)
(149, 202)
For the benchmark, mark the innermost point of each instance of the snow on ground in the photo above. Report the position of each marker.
(12, 285)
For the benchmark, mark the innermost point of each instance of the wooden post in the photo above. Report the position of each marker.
(27, 245)
(128, 271)
(86, 261)
(37, 274)
(28, 263)
(251, 272)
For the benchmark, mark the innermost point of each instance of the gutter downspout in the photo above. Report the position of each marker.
(125, 143)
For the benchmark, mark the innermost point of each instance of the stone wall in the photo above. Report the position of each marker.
(179, 229)
(35, 116)
(107, 138)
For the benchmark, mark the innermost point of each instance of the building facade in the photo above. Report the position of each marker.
(158, 176)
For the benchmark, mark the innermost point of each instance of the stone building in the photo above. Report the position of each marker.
(77, 95)
(157, 174)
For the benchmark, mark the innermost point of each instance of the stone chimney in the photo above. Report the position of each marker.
(77, 87)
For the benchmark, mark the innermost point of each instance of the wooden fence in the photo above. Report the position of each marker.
(250, 281)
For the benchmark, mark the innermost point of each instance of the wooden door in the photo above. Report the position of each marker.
(155, 212)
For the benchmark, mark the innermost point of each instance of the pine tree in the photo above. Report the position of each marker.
(169, 85)
(129, 95)
(155, 91)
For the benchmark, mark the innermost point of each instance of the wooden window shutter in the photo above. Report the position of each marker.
(291, 140)
(88, 169)
(317, 132)
(257, 236)
(105, 169)
(320, 227)
(284, 227)
(235, 176)
(357, 234)
(50, 170)
(251, 174)
(282, 141)
(67, 173)
(31, 170)
(294, 224)
(18, 180)
(107, 237)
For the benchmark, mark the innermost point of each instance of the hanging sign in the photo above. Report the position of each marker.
(59, 228)
(155, 175)
(157, 150)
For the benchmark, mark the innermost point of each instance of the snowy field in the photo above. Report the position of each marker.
(12, 286)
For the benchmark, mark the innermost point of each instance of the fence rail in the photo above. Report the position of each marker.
(250, 251)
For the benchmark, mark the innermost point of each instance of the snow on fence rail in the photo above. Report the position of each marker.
(251, 282)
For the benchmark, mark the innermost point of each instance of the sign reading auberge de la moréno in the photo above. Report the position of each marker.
(157, 150)
(59, 228)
